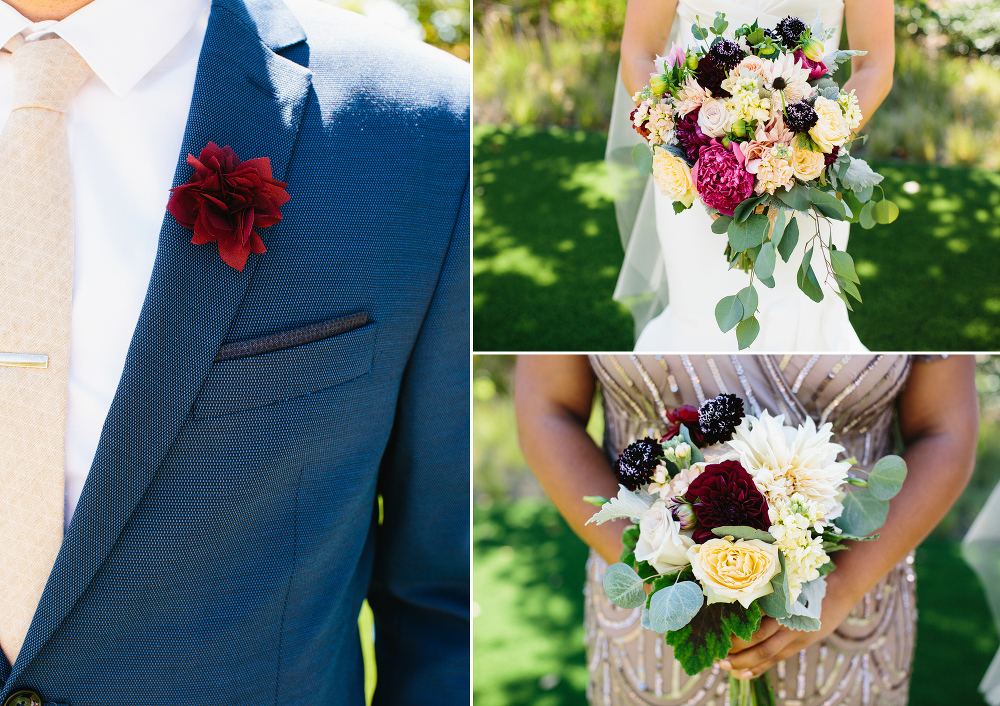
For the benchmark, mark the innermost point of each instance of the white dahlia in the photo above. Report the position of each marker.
(783, 460)
(794, 79)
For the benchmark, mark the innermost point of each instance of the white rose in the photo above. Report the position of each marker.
(734, 571)
(660, 540)
(714, 120)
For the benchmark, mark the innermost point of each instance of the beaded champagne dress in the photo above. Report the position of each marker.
(867, 659)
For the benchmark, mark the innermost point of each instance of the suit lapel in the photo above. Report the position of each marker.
(250, 98)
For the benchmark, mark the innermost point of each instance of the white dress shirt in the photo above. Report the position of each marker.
(125, 129)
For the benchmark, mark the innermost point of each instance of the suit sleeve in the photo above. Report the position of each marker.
(419, 591)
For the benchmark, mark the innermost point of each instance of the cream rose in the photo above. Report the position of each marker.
(734, 571)
(673, 176)
(807, 164)
(714, 119)
(831, 128)
(660, 540)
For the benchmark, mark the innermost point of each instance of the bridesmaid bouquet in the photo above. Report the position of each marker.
(757, 130)
(735, 518)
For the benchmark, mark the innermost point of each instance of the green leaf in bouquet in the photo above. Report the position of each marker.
(840, 293)
(780, 219)
(834, 537)
(803, 623)
(728, 313)
(825, 82)
(698, 32)
(851, 201)
(645, 570)
(597, 500)
(885, 212)
(863, 513)
(623, 586)
(627, 557)
(864, 194)
(721, 224)
(843, 265)
(806, 278)
(856, 174)
(764, 265)
(749, 234)
(746, 332)
(778, 603)
(742, 622)
(748, 298)
(834, 59)
(756, 36)
(886, 477)
(739, 532)
(745, 208)
(830, 92)
(827, 568)
(827, 204)
(673, 607)
(789, 239)
(643, 158)
(679, 207)
(806, 611)
(706, 638)
(630, 537)
(767, 282)
(865, 216)
(796, 198)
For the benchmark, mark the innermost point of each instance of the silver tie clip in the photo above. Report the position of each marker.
(23, 360)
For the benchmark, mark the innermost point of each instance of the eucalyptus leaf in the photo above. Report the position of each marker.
(767, 282)
(865, 217)
(673, 607)
(886, 477)
(749, 234)
(721, 224)
(745, 208)
(827, 204)
(864, 194)
(764, 266)
(741, 532)
(778, 603)
(789, 240)
(699, 33)
(843, 265)
(643, 158)
(806, 278)
(623, 586)
(796, 198)
(841, 295)
(746, 332)
(728, 312)
(885, 212)
(863, 513)
(748, 298)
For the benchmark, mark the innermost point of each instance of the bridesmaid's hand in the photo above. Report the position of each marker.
(773, 642)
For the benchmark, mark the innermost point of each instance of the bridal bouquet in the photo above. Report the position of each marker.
(757, 130)
(735, 518)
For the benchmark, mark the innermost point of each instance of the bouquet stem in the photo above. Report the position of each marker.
(750, 692)
(743, 261)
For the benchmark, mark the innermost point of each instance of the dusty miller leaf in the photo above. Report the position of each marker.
(858, 175)
(628, 504)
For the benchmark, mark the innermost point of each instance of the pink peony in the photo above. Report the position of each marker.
(816, 68)
(720, 179)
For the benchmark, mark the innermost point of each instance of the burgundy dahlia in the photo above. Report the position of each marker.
(690, 137)
(720, 179)
(724, 495)
(688, 416)
(831, 156)
(710, 74)
(638, 461)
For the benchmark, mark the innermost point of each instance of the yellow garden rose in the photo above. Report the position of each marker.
(734, 571)
(807, 164)
(673, 176)
(831, 128)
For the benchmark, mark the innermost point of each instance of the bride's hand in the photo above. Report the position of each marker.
(773, 642)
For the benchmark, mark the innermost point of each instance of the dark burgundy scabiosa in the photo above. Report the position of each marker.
(719, 417)
(226, 200)
(800, 117)
(724, 495)
(726, 53)
(710, 74)
(720, 178)
(689, 135)
(790, 29)
(689, 417)
(638, 461)
(831, 156)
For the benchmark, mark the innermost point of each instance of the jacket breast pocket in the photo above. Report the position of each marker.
(274, 368)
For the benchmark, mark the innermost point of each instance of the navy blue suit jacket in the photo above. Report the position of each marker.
(228, 530)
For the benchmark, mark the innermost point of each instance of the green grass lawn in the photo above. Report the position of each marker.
(528, 574)
(546, 252)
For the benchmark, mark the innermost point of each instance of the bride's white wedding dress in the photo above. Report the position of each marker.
(676, 259)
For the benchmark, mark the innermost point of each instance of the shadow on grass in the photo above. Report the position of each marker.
(527, 639)
(546, 252)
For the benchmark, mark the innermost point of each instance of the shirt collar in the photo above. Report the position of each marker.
(121, 40)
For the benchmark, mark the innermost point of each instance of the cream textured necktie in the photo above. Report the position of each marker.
(36, 287)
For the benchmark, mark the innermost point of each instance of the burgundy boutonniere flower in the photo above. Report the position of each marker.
(226, 200)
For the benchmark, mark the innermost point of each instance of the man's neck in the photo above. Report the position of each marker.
(39, 10)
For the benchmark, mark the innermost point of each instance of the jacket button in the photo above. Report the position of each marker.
(23, 697)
